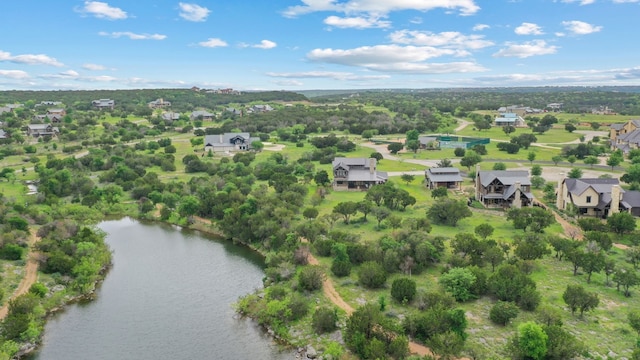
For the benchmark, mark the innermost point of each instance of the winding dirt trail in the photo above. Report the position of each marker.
(331, 293)
(30, 274)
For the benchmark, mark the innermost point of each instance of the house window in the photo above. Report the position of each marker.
(588, 199)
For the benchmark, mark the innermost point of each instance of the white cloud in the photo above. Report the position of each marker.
(336, 75)
(193, 12)
(356, 22)
(100, 78)
(447, 39)
(380, 7)
(580, 27)
(480, 27)
(416, 20)
(528, 29)
(102, 10)
(29, 59)
(213, 42)
(625, 1)
(264, 44)
(394, 58)
(93, 67)
(582, 2)
(133, 36)
(14, 74)
(527, 49)
(69, 74)
(288, 83)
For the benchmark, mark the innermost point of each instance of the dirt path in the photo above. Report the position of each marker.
(331, 293)
(30, 276)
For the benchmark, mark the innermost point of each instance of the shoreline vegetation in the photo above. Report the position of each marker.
(409, 262)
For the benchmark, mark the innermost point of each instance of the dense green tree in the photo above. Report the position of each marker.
(438, 192)
(575, 173)
(561, 344)
(324, 320)
(499, 166)
(531, 341)
(346, 209)
(591, 160)
(626, 277)
(484, 230)
(403, 290)
(395, 147)
(372, 275)
(556, 159)
(622, 222)
(470, 158)
(310, 277)
(530, 218)
(502, 312)
(380, 213)
(577, 298)
(458, 283)
(408, 178)
(448, 212)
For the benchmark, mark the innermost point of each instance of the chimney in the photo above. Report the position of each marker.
(477, 181)
(517, 196)
(560, 195)
(372, 165)
(616, 197)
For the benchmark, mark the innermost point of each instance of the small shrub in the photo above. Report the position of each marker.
(324, 320)
(403, 289)
(502, 312)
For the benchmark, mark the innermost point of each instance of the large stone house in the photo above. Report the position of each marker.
(228, 142)
(37, 130)
(102, 104)
(159, 104)
(503, 188)
(448, 177)
(597, 197)
(512, 119)
(625, 136)
(356, 173)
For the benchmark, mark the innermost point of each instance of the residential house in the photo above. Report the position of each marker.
(60, 112)
(356, 173)
(3, 135)
(447, 177)
(603, 110)
(429, 142)
(520, 110)
(52, 118)
(234, 111)
(625, 136)
(201, 115)
(159, 104)
(10, 108)
(596, 197)
(37, 130)
(512, 119)
(170, 116)
(260, 108)
(555, 107)
(228, 142)
(103, 104)
(503, 188)
(49, 103)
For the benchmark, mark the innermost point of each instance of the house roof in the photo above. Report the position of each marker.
(424, 140)
(632, 137)
(445, 174)
(3, 135)
(617, 126)
(506, 177)
(631, 199)
(103, 102)
(366, 175)
(225, 139)
(202, 113)
(348, 162)
(601, 186)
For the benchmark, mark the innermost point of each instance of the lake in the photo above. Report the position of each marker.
(169, 295)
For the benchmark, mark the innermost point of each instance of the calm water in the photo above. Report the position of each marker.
(168, 296)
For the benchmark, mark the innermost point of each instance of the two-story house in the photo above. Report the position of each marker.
(228, 142)
(159, 104)
(356, 173)
(103, 104)
(596, 197)
(625, 136)
(503, 188)
(37, 130)
(448, 177)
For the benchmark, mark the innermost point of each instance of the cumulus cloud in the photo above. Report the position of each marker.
(193, 12)
(380, 7)
(335, 75)
(394, 58)
(14, 74)
(447, 39)
(29, 59)
(102, 10)
(480, 27)
(582, 2)
(264, 44)
(93, 67)
(213, 42)
(580, 27)
(133, 36)
(528, 29)
(527, 49)
(69, 74)
(625, 1)
(357, 22)
(288, 83)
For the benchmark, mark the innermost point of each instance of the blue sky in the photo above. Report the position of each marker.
(317, 44)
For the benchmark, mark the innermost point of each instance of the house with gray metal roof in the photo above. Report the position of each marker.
(597, 197)
(447, 177)
(159, 104)
(229, 142)
(201, 115)
(356, 173)
(625, 136)
(103, 104)
(37, 130)
(512, 119)
(503, 188)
